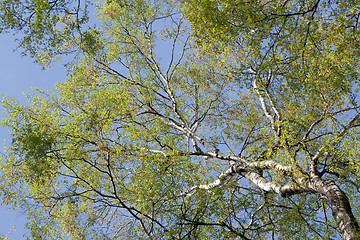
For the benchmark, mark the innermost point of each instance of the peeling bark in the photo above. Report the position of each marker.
(340, 206)
(268, 186)
(339, 202)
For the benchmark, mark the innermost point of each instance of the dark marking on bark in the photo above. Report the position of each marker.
(340, 206)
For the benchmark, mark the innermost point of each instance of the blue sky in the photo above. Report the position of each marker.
(18, 75)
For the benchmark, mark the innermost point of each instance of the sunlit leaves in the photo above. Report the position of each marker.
(47, 26)
(162, 95)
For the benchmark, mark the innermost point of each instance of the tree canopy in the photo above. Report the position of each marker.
(190, 119)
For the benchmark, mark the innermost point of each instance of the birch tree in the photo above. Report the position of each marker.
(189, 120)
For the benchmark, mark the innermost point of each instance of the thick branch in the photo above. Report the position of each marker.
(339, 204)
(283, 190)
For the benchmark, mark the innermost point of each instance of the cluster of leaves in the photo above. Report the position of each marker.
(47, 28)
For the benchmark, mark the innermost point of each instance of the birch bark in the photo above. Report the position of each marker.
(340, 206)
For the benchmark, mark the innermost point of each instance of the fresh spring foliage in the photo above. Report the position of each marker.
(189, 119)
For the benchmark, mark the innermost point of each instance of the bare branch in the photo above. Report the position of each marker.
(274, 120)
(320, 152)
(228, 174)
(263, 105)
